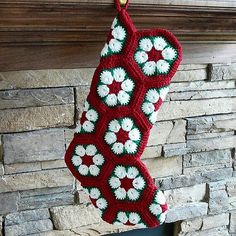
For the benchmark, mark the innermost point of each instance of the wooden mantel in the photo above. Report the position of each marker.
(70, 33)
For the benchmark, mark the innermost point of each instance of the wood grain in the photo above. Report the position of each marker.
(70, 33)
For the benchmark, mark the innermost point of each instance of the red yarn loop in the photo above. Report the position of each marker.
(119, 7)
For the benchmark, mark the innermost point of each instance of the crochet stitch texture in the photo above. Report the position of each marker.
(127, 90)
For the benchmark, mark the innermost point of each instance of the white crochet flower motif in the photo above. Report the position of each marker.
(151, 100)
(123, 136)
(98, 200)
(126, 183)
(87, 160)
(116, 42)
(88, 120)
(115, 87)
(129, 218)
(155, 207)
(155, 55)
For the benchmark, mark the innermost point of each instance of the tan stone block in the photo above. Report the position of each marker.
(192, 67)
(81, 96)
(151, 152)
(102, 228)
(33, 118)
(161, 167)
(69, 217)
(22, 167)
(69, 134)
(210, 222)
(167, 132)
(220, 231)
(179, 196)
(187, 211)
(190, 75)
(179, 109)
(57, 233)
(33, 180)
(191, 225)
(45, 78)
(55, 164)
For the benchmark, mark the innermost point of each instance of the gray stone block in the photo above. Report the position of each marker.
(218, 72)
(209, 144)
(46, 78)
(231, 187)
(197, 95)
(194, 178)
(31, 227)
(232, 203)
(201, 85)
(35, 97)
(1, 169)
(206, 168)
(210, 222)
(1, 224)
(209, 135)
(207, 158)
(45, 198)
(8, 202)
(34, 146)
(220, 231)
(191, 225)
(208, 124)
(232, 228)
(177, 149)
(218, 202)
(25, 216)
(179, 181)
(216, 175)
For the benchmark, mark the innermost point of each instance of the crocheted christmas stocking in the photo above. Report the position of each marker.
(127, 89)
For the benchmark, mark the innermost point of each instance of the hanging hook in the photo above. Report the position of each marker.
(123, 2)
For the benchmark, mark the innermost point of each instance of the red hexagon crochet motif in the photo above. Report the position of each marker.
(127, 89)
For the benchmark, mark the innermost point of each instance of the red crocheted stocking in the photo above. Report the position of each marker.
(128, 88)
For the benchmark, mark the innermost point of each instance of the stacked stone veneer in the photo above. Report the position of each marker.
(190, 153)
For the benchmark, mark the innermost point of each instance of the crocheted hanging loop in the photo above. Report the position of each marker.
(121, 4)
(127, 90)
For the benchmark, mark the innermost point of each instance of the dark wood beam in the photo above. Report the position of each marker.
(67, 34)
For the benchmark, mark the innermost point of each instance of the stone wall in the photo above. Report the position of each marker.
(190, 153)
